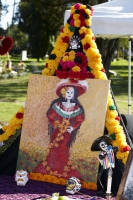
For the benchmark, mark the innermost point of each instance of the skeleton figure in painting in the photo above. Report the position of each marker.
(106, 157)
(65, 116)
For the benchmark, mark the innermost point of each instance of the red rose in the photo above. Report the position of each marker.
(65, 39)
(87, 46)
(102, 70)
(117, 118)
(82, 36)
(19, 115)
(126, 148)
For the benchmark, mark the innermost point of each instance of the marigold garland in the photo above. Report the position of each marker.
(54, 179)
(80, 18)
(15, 123)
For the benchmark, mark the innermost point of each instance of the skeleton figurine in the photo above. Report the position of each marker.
(106, 157)
(74, 42)
(73, 185)
(21, 177)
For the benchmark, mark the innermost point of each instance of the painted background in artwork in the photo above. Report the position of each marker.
(35, 141)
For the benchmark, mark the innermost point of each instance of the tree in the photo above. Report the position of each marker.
(3, 8)
(42, 20)
(20, 39)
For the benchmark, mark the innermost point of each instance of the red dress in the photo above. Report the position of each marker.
(57, 161)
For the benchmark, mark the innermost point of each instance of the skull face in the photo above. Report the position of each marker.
(103, 145)
(73, 185)
(21, 177)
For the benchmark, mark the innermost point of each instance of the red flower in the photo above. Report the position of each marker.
(81, 18)
(90, 75)
(93, 38)
(58, 73)
(19, 115)
(62, 74)
(77, 6)
(83, 70)
(82, 36)
(83, 76)
(62, 30)
(73, 75)
(65, 39)
(87, 46)
(117, 118)
(102, 70)
(126, 148)
(82, 23)
(46, 65)
(72, 22)
(82, 12)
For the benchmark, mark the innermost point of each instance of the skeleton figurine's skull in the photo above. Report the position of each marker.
(73, 185)
(103, 146)
(21, 177)
(74, 42)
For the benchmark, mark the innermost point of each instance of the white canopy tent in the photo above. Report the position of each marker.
(111, 20)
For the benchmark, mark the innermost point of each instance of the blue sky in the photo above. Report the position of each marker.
(7, 18)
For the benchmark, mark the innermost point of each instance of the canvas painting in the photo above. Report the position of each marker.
(61, 121)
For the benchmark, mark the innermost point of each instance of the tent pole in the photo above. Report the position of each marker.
(129, 78)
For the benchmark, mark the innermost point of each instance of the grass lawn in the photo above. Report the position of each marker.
(13, 90)
(119, 85)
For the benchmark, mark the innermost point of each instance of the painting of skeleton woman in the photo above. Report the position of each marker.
(62, 119)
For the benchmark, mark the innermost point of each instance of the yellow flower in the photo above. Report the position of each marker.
(76, 16)
(51, 64)
(88, 22)
(99, 75)
(17, 126)
(63, 48)
(82, 6)
(4, 127)
(67, 31)
(21, 109)
(59, 45)
(88, 11)
(76, 69)
(46, 72)
(72, 55)
(77, 23)
(3, 137)
(93, 63)
(112, 121)
(82, 30)
(86, 39)
(111, 113)
(10, 130)
(72, 9)
(65, 58)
